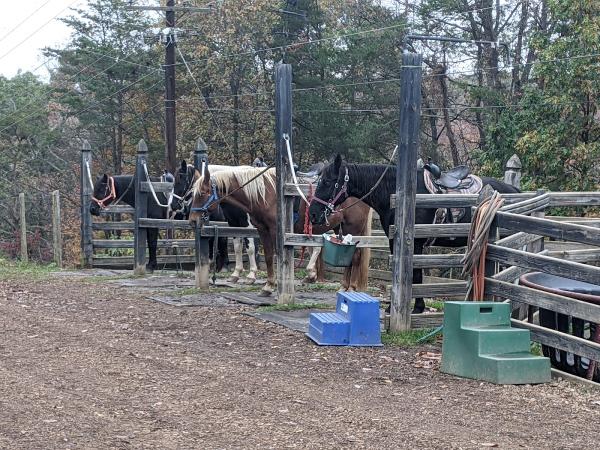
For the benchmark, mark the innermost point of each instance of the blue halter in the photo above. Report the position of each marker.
(214, 196)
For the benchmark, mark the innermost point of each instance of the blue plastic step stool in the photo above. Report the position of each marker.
(355, 322)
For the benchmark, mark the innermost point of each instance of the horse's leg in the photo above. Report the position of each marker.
(223, 255)
(251, 251)
(268, 246)
(152, 239)
(311, 268)
(239, 264)
(418, 278)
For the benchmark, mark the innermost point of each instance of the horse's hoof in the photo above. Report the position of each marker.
(249, 280)
(418, 311)
(149, 269)
(233, 279)
(309, 280)
(264, 293)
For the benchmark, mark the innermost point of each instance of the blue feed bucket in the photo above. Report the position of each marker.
(338, 255)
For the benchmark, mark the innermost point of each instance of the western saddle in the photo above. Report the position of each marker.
(456, 178)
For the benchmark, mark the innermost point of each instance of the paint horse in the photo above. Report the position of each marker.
(358, 179)
(253, 190)
(180, 202)
(109, 189)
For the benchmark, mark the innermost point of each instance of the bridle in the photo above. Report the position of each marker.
(111, 194)
(212, 198)
(330, 205)
(184, 199)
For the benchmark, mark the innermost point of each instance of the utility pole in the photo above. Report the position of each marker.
(169, 37)
(170, 123)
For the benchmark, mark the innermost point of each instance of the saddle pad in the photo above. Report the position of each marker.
(474, 188)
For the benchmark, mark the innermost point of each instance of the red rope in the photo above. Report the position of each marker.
(307, 223)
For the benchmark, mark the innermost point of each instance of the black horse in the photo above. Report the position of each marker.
(180, 203)
(121, 187)
(358, 179)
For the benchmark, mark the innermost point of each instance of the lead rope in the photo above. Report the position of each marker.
(215, 251)
(307, 224)
(474, 259)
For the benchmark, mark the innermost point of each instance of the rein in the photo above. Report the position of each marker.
(377, 183)
(214, 196)
(112, 194)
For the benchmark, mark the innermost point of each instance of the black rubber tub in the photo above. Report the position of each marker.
(586, 292)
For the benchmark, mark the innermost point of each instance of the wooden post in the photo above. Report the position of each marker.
(56, 229)
(406, 189)
(24, 253)
(202, 247)
(200, 154)
(285, 205)
(512, 174)
(87, 191)
(534, 247)
(141, 211)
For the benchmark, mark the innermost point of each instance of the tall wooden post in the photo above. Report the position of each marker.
(406, 187)
(285, 212)
(202, 244)
(141, 211)
(56, 229)
(23, 223)
(87, 191)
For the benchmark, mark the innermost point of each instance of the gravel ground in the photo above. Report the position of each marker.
(86, 364)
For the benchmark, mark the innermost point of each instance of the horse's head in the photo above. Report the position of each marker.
(204, 198)
(182, 187)
(330, 191)
(104, 194)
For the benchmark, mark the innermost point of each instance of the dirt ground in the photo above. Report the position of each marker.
(87, 365)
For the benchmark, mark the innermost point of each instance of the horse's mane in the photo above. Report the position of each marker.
(364, 176)
(255, 190)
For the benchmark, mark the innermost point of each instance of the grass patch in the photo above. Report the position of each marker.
(536, 349)
(438, 305)
(407, 338)
(19, 270)
(296, 307)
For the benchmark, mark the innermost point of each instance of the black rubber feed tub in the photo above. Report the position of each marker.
(587, 292)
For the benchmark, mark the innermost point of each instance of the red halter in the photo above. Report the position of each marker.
(112, 194)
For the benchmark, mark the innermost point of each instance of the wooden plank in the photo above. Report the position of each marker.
(23, 228)
(553, 266)
(127, 243)
(85, 199)
(126, 262)
(574, 198)
(546, 300)
(448, 289)
(427, 320)
(537, 203)
(583, 255)
(283, 130)
(316, 240)
(517, 240)
(158, 186)
(108, 226)
(435, 261)
(438, 230)
(545, 227)
(560, 340)
(117, 209)
(510, 274)
(459, 200)
(56, 229)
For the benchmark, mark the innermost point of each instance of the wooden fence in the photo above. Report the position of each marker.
(57, 241)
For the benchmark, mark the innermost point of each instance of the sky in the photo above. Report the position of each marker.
(33, 30)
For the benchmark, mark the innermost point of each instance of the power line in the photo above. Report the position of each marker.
(120, 59)
(38, 29)
(25, 20)
(84, 109)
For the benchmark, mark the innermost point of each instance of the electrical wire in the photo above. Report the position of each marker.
(24, 20)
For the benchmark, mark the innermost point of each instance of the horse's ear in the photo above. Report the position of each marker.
(183, 165)
(337, 163)
(104, 178)
(206, 177)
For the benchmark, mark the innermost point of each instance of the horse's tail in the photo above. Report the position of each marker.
(362, 276)
(320, 267)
